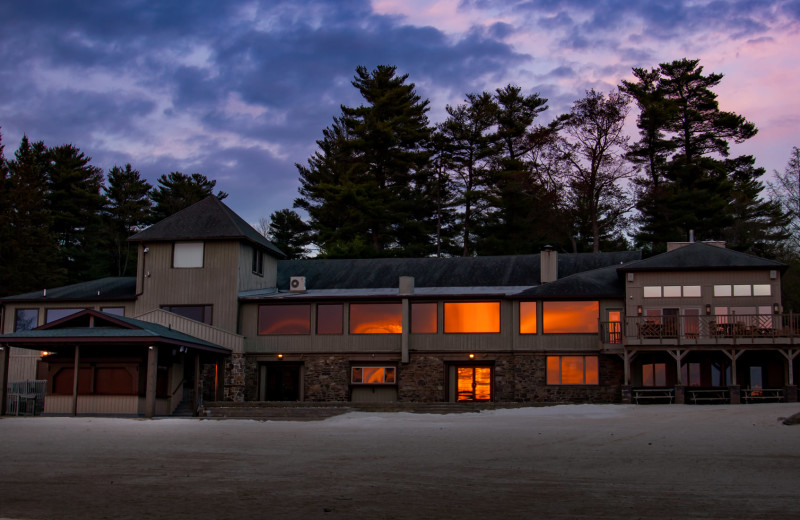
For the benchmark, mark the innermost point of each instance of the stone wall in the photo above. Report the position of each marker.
(235, 374)
(326, 378)
(251, 380)
(421, 380)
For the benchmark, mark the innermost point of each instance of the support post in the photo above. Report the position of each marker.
(75, 373)
(4, 358)
(680, 394)
(219, 379)
(406, 330)
(150, 383)
(198, 384)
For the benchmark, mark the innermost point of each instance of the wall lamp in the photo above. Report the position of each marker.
(776, 308)
(472, 356)
(639, 310)
(708, 309)
(280, 356)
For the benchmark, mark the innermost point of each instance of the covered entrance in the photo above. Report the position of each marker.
(281, 382)
(469, 383)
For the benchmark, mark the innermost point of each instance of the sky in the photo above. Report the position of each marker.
(241, 90)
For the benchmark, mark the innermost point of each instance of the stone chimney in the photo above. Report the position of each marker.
(548, 260)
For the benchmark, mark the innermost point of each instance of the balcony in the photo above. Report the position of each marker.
(736, 329)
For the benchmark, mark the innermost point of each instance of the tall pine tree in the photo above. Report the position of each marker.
(127, 211)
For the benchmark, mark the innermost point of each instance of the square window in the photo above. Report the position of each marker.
(762, 290)
(691, 291)
(652, 291)
(672, 291)
(26, 319)
(187, 254)
(722, 290)
(742, 290)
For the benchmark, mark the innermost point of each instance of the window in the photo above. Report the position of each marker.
(258, 262)
(116, 311)
(472, 317)
(691, 291)
(570, 317)
(762, 290)
(722, 290)
(424, 318)
(672, 291)
(572, 370)
(284, 319)
(652, 291)
(330, 318)
(474, 383)
(372, 375)
(654, 374)
(201, 313)
(527, 317)
(690, 374)
(187, 254)
(26, 319)
(376, 318)
(52, 315)
(742, 290)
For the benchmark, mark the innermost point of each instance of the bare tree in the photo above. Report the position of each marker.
(785, 190)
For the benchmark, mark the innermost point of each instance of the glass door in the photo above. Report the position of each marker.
(474, 383)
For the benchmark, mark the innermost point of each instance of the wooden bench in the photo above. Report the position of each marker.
(762, 394)
(709, 395)
(654, 395)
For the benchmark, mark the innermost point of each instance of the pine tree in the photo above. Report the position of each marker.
(177, 191)
(127, 211)
(289, 233)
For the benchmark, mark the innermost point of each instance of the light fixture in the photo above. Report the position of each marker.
(280, 356)
(708, 309)
(776, 308)
(45, 353)
(472, 356)
(639, 310)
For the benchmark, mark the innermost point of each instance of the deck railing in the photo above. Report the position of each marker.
(702, 328)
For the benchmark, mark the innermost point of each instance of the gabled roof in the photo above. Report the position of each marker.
(111, 288)
(702, 257)
(595, 284)
(208, 219)
(91, 326)
(479, 271)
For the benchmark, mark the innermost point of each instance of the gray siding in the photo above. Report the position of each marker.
(248, 280)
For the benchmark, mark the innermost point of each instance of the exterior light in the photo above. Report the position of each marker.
(639, 310)
(776, 308)
(280, 356)
(708, 309)
(45, 353)
(472, 356)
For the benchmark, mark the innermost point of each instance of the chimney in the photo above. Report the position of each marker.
(548, 265)
(406, 285)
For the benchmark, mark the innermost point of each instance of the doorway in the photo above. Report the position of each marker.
(281, 382)
(473, 383)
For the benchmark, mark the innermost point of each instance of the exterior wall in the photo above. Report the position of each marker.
(23, 364)
(248, 280)
(196, 329)
(213, 284)
(706, 280)
(9, 312)
(103, 405)
(235, 378)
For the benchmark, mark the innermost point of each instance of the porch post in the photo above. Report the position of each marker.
(680, 396)
(219, 380)
(4, 356)
(790, 391)
(626, 383)
(150, 383)
(406, 316)
(198, 385)
(75, 372)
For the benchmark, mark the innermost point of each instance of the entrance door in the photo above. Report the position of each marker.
(474, 383)
(280, 382)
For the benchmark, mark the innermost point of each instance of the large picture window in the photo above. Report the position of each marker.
(329, 318)
(187, 254)
(284, 319)
(376, 318)
(52, 315)
(472, 317)
(572, 370)
(26, 319)
(527, 317)
(372, 375)
(570, 317)
(201, 313)
(424, 318)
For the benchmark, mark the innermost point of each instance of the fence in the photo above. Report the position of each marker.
(25, 397)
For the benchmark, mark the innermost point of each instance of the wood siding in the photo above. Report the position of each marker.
(209, 333)
(103, 404)
(248, 280)
(22, 364)
(213, 284)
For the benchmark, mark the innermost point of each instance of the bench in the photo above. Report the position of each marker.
(709, 395)
(654, 395)
(762, 394)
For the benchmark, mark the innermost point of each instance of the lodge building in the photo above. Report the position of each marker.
(215, 313)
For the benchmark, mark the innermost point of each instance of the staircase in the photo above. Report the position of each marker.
(184, 409)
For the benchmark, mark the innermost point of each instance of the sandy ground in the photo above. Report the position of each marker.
(580, 461)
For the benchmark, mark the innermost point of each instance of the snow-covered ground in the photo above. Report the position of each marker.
(574, 461)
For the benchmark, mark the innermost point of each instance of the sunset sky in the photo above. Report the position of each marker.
(240, 90)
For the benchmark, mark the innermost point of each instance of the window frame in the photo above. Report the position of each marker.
(386, 370)
(207, 308)
(258, 262)
(350, 328)
(596, 324)
(74, 310)
(560, 358)
(16, 317)
(186, 249)
(535, 318)
(412, 320)
(318, 321)
(453, 302)
(285, 305)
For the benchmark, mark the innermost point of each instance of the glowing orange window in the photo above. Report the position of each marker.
(474, 383)
(424, 317)
(572, 370)
(570, 317)
(472, 317)
(376, 318)
(284, 319)
(527, 317)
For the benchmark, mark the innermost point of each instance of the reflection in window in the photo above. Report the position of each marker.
(424, 318)
(329, 318)
(201, 313)
(26, 319)
(52, 315)
(654, 374)
(474, 383)
(284, 319)
(570, 317)
(376, 318)
(572, 370)
(690, 374)
(472, 317)
(372, 375)
(527, 317)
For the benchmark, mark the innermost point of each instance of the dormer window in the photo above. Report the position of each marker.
(187, 255)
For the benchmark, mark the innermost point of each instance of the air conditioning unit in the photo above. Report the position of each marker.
(297, 284)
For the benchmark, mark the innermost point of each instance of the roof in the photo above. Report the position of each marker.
(75, 327)
(111, 288)
(595, 284)
(384, 292)
(479, 271)
(208, 219)
(702, 257)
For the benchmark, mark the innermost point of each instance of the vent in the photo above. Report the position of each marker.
(297, 284)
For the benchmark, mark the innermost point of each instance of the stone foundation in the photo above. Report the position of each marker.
(422, 380)
(326, 378)
(235, 375)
